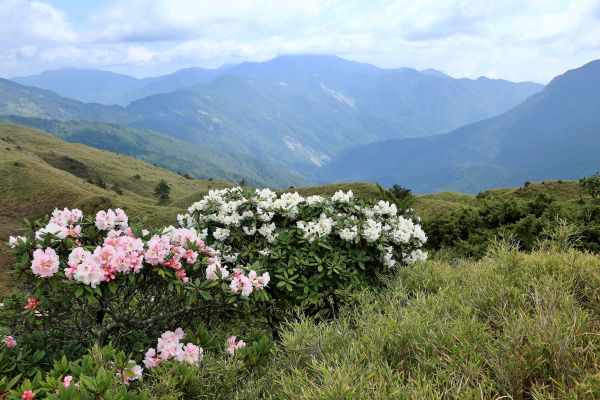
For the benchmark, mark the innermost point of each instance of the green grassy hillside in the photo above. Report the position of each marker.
(39, 172)
(200, 162)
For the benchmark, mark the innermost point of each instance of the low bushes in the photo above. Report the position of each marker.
(317, 250)
(467, 232)
(514, 324)
(95, 281)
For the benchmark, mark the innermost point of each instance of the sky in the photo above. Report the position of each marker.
(517, 40)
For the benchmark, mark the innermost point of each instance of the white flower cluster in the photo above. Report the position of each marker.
(231, 218)
(316, 229)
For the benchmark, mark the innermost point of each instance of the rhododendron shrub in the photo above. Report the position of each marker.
(97, 279)
(316, 249)
(107, 373)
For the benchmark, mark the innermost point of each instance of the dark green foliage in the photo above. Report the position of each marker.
(397, 195)
(162, 191)
(185, 175)
(468, 232)
(400, 192)
(117, 189)
(591, 184)
(69, 164)
(100, 182)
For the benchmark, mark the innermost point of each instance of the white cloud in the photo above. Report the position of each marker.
(24, 22)
(512, 39)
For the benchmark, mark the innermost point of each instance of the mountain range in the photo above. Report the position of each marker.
(293, 113)
(554, 134)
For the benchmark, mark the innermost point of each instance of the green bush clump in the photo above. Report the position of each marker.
(318, 250)
(468, 232)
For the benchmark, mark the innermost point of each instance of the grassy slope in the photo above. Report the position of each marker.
(31, 185)
(165, 151)
(430, 205)
(515, 325)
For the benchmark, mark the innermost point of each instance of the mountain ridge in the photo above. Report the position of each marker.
(551, 135)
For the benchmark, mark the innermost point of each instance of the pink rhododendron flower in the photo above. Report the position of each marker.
(45, 263)
(189, 353)
(74, 231)
(240, 284)
(170, 347)
(151, 360)
(67, 381)
(211, 272)
(158, 249)
(105, 254)
(32, 304)
(180, 274)
(90, 271)
(190, 256)
(77, 255)
(109, 219)
(122, 219)
(9, 342)
(232, 345)
(168, 343)
(28, 395)
(259, 282)
(66, 217)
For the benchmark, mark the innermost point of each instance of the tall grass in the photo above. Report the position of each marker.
(513, 325)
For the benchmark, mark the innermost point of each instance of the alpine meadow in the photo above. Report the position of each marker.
(317, 199)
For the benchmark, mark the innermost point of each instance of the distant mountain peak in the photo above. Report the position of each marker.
(434, 72)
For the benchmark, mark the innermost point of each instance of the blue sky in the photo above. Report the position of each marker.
(510, 39)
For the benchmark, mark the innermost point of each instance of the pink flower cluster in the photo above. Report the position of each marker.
(9, 342)
(121, 252)
(67, 381)
(244, 285)
(168, 252)
(169, 346)
(32, 304)
(45, 263)
(28, 395)
(232, 345)
(109, 219)
(62, 224)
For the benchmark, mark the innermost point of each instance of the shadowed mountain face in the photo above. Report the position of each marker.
(554, 134)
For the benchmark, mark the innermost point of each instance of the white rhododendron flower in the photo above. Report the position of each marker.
(235, 219)
(348, 233)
